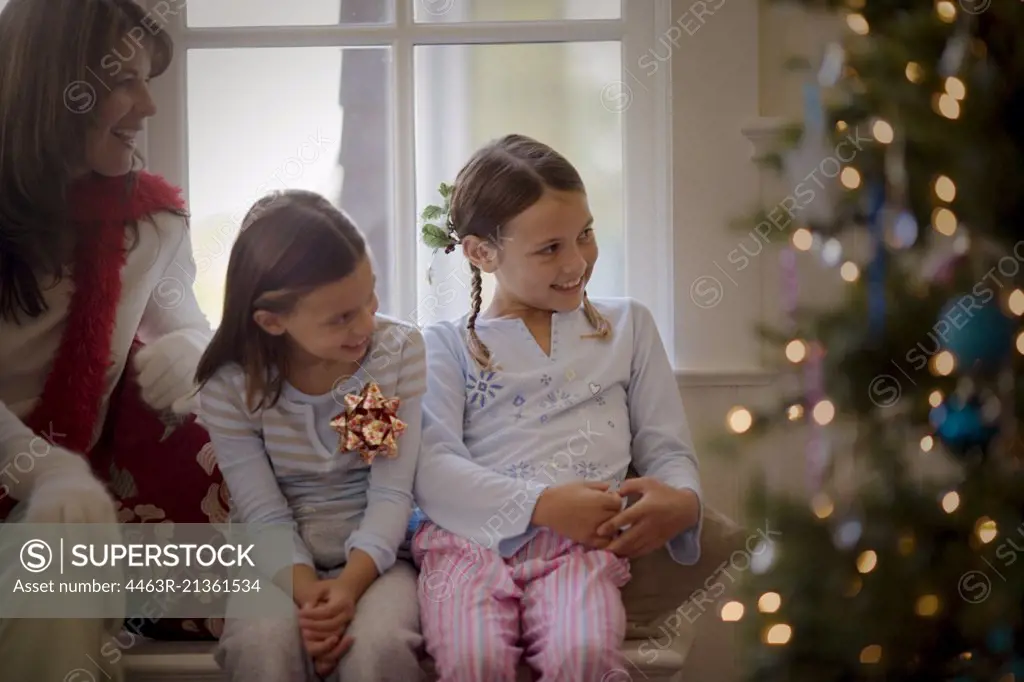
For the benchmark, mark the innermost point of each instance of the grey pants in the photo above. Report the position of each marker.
(385, 630)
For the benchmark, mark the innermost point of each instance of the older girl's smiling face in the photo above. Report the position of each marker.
(547, 253)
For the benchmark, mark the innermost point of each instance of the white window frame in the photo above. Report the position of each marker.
(647, 125)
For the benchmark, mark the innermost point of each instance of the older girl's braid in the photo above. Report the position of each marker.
(477, 349)
(602, 328)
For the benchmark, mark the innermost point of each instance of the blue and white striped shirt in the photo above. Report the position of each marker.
(283, 464)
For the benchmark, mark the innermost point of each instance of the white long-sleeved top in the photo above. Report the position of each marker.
(156, 299)
(284, 464)
(494, 440)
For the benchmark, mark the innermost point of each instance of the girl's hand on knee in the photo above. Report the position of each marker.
(318, 645)
(331, 612)
(327, 662)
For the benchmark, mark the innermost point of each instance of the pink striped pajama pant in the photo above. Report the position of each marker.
(554, 600)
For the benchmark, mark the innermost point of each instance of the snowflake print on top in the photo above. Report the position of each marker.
(482, 387)
(588, 470)
(545, 379)
(523, 470)
(556, 398)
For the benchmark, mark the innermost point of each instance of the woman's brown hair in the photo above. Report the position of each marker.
(291, 242)
(500, 181)
(55, 59)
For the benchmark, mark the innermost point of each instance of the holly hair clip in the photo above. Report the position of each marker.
(434, 235)
(369, 424)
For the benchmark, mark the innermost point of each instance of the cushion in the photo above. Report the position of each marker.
(659, 585)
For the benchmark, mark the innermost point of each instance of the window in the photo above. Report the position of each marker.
(373, 103)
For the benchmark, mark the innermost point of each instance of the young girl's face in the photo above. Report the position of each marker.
(110, 141)
(334, 322)
(547, 253)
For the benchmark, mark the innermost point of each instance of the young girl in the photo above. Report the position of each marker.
(535, 409)
(300, 343)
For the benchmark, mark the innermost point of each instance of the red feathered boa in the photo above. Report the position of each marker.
(159, 467)
(102, 208)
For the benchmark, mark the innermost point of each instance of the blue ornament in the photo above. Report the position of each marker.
(900, 228)
(980, 336)
(961, 427)
(905, 230)
(847, 535)
(876, 266)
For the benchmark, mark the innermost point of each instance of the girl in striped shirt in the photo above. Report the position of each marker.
(300, 338)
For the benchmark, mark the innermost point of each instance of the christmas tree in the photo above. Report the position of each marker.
(905, 559)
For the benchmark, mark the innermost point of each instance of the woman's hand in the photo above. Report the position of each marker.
(66, 491)
(576, 510)
(661, 513)
(166, 370)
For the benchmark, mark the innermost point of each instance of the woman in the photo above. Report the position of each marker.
(100, 333)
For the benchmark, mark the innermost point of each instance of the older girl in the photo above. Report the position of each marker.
(535, 409)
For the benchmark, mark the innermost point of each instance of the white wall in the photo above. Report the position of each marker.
(716, 181)
(718, 295)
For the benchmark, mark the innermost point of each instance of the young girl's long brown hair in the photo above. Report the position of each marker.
(500, 181)
(55, 59)
(290, 243)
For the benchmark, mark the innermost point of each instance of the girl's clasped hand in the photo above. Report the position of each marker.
(577, 510)
(593, 514)
(325, 612)
(660, 514)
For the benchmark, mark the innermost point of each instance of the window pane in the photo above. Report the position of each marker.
(552, 92)
(436, 11)
(261, 120)
(234, 13)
